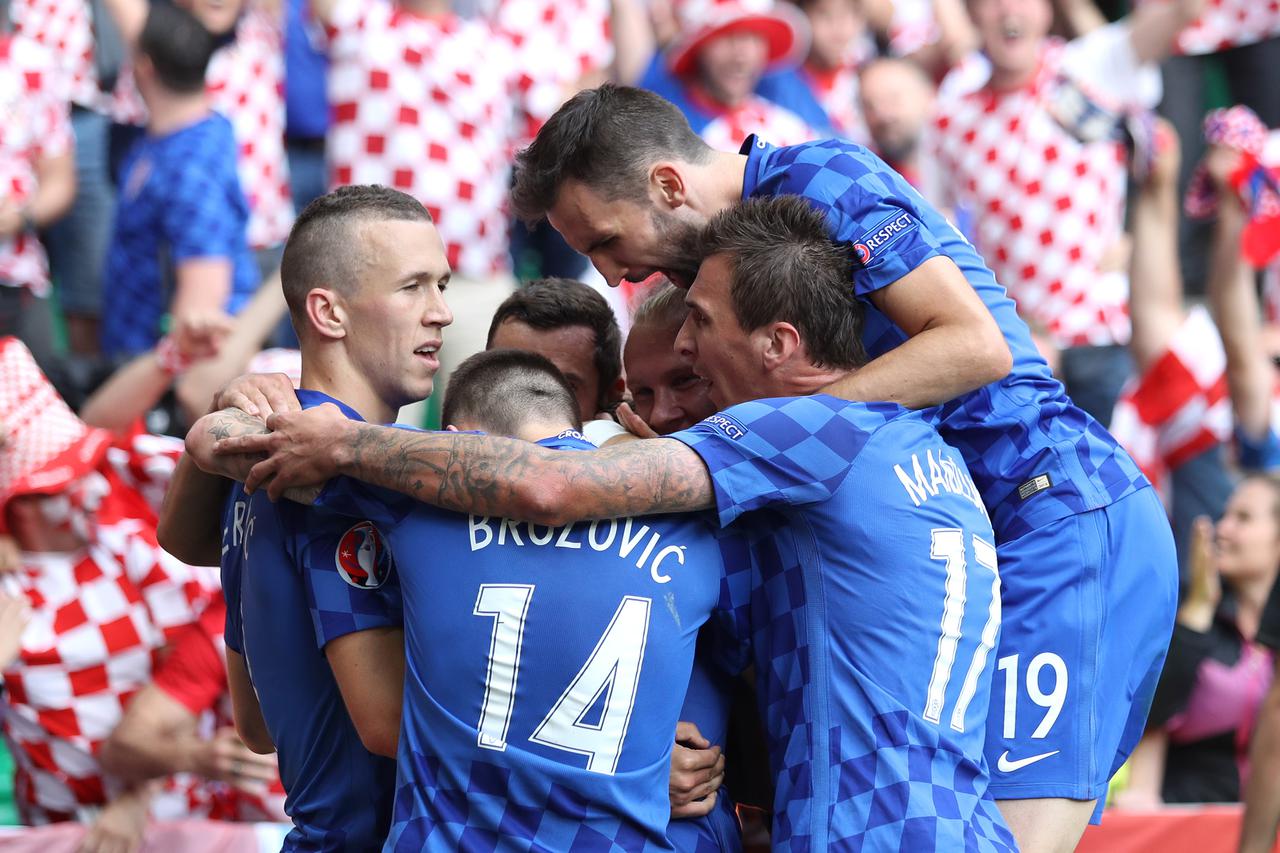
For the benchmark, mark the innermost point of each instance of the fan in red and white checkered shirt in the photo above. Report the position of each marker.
(34, 128)
(1225, 24)
(724, 48)
(82, 504)
(434, 105)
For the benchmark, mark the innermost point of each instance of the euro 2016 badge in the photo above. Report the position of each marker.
(363, 559)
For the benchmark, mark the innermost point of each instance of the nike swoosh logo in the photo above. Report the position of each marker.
(1007, 766)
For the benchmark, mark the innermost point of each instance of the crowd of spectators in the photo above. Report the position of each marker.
(153, 155)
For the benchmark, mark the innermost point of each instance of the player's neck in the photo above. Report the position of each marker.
(170, 111)
(538, 430)
(723, 178)
(800, 378)
(343, 383)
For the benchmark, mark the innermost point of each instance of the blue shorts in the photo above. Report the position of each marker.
(1088, 607)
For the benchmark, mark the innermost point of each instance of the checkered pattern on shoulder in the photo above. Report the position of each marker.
(432, 107)
(1009, 432)
(1046, 206)
(34, 124)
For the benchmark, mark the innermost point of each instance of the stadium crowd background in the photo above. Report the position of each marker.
(1117, 200)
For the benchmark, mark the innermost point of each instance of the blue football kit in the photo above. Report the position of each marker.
(545, 669)
(1086, 554)
(706, 704)
(870, 605)
(179, 199)
(295, 579)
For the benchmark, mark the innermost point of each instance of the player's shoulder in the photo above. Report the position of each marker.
(810, 168)
(809, 415)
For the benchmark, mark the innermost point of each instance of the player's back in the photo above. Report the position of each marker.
(339, 794)
(545, 672)
(1021, 436)
(872, 614)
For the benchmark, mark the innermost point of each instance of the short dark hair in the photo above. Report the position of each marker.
(322, 251)
(557, 303)
(785, 268)
(178, 46)
(607, 138)
(500, 390)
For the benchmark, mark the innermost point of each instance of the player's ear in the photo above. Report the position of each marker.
(779, 343)
(451, 428)
(667, 184)
(326, 313)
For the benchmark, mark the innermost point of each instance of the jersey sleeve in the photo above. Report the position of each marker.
(349, 575)
(784, 452)
(195, 674)
(869, 209)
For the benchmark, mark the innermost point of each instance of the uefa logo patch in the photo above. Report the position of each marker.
(362, 558)
(863, 253)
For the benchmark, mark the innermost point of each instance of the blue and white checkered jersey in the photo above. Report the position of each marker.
(1034, 455)
(296, 578)
(545, 672)
(872, 608)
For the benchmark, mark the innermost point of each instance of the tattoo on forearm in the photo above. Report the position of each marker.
(229, 423)
(495, 476)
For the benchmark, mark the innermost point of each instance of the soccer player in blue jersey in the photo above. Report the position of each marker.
(866, 589)
(314, 638)
(539, 707)
(1088, 618)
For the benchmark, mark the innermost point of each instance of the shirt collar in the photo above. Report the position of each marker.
(757, 151)
(311, 399)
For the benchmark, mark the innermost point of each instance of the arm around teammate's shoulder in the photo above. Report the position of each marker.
(479, 474)
(954, 345)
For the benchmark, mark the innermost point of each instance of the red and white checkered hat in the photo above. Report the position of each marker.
(46, 447)
(782, 25)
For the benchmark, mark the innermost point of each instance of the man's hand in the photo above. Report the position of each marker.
(633, 423)
(199, 335)
(15, 613)
(697, 772)
(120, 825)
(1205, 590)
(1222, 162)
(227, 759)
(304, 449)
(258, 394)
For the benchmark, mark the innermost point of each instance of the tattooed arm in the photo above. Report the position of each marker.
(190, 520)
(479, 474)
